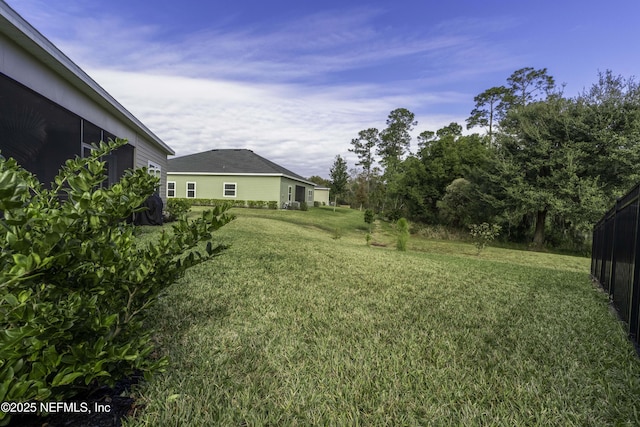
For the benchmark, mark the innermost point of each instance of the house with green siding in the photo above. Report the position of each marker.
(321, 195)
(236, 175)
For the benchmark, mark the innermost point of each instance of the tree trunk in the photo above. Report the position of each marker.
(491, 126)
(538, 236)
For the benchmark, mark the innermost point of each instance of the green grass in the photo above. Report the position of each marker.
(293, 327)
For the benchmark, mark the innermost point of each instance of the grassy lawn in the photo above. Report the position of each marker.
(294, 327)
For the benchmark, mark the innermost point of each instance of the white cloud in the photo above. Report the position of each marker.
(273, 90)
(301, 128)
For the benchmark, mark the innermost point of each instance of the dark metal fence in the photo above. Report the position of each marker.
(615, 257)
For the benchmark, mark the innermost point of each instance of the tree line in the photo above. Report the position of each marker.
(541, 165)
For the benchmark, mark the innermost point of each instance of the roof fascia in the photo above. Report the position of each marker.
(242, 174)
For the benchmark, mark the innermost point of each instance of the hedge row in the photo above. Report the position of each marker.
(256, 204)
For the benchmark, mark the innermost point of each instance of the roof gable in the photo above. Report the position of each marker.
(229, 161)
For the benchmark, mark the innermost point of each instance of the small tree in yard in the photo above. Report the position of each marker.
(483, 233)
(368, 217)
(75, 285)
(403, 234)
(177, 208)
(339, 179)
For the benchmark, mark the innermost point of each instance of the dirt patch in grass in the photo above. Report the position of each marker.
(384, 245)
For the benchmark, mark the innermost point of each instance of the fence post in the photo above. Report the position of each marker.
(606, 256)
(634, 307)
(593, 251)
(612, 257)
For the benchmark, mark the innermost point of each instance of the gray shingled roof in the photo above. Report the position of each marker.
(229, 161)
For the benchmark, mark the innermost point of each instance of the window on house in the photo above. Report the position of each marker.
(155, 170)
(86, 150)
(310, 198)
(91, 134)
(191, 190)
(106, 136)
(289, 194)
(230, 189)
(171, 189)
(42, 135)
(39, 134)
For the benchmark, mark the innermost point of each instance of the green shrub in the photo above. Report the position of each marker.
(209, 202)
(177, 208)
(316, 204)
(393, 214)
(336, 233)
(272, 204)
(483, 233)
(213, 202)
(75, 285)
(256, 204)
(304, 206)
(403, 234)
(458, 207)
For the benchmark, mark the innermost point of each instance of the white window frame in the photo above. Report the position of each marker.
(171, 192)
(235, 189)
(310, 196)
(155, 170)
(194, 190)
(289, 191)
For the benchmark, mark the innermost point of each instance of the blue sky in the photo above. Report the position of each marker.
(295, 81)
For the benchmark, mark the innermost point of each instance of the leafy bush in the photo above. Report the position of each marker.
(316, 204)
(393, 214)
(483, 233)
(214, 202)
(177, 208)
(74, 284)
(256, 204)
(455, 206)
(403, 234)
(304, 206)
(336, 233)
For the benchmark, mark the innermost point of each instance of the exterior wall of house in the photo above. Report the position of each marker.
(20, 66)
(264, 188)
(284, 191)
(145, 153)
(321, 195)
